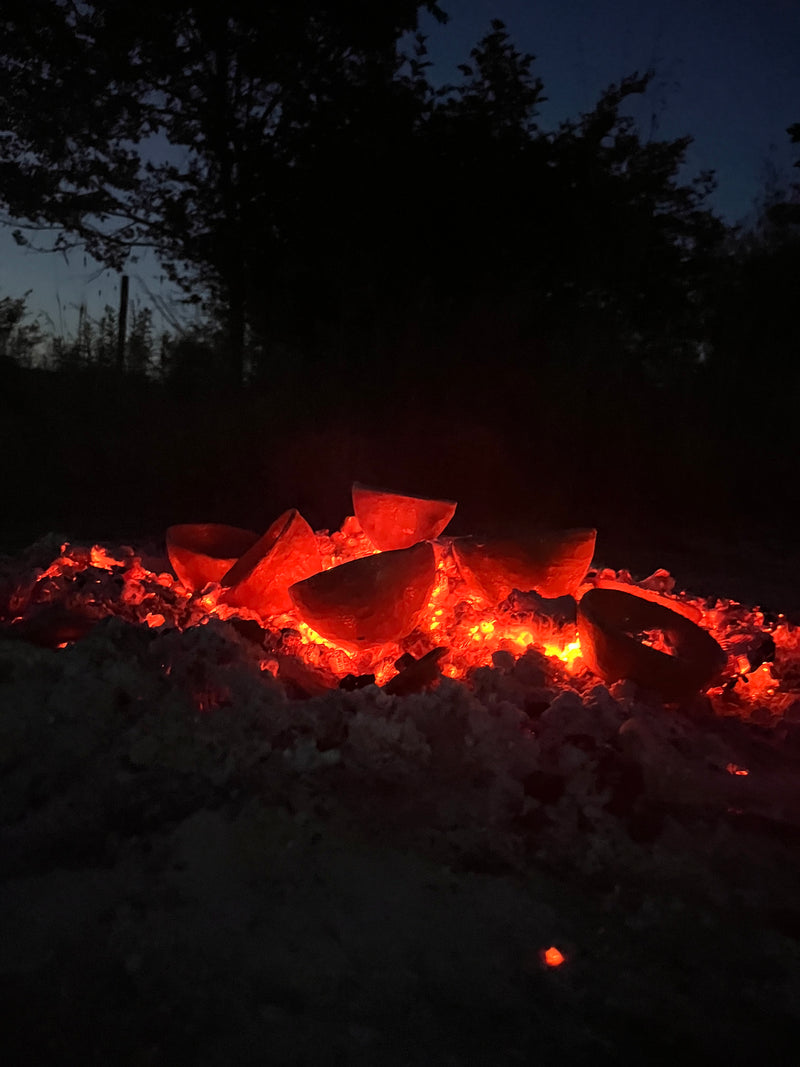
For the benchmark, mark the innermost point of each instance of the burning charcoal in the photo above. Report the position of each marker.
(660, 581)
(750, 651)
(607, 621)
(561, 610)
(551, 564)
(371, 600)
(203, 552)
(286, 553)
(415, 674)
(392, 520)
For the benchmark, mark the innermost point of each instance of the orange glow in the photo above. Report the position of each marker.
(384, 673)
(453, 617)
(99, 557)
(472, 637)
(734, 768)
(552, 957)
(64, 563)
(761, 682)
(209, 602)
(567, 653)
(312, 637)
(473, 632)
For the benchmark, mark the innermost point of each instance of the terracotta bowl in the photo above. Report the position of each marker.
(552, 564)
(203, 552)
(608, 619)
(260, 579)
(392, 520)
(368, 601)
(689, 610)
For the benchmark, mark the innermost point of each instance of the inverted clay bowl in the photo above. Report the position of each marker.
(392, 520)
(688, 610)
(371, 600)
(552, 564)
(260, 579)
(607, 621)
(203, 552)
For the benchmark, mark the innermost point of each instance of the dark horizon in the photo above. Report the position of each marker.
(702, 60)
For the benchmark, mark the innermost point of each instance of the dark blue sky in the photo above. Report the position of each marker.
(727, 72)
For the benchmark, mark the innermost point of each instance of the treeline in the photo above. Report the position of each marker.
(193, 354)
(367, 243)
(335, 210)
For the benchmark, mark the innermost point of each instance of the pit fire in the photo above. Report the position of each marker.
(390, 600)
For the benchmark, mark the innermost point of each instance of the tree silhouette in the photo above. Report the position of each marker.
(784, 213)
(794, 136)
(756, 328)
(19, 339)
(499, 91)
(89, 92)
(643, 241)
(296, 172)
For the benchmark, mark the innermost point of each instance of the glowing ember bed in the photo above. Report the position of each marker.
(388, 590)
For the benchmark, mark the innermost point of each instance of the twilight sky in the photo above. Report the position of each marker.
(727, 72)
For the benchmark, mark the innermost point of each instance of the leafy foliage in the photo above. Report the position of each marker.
(229, 97)
(757, 329)
(19, 339)
(299, 175)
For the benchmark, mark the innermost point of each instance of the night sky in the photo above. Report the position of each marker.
(727, 72)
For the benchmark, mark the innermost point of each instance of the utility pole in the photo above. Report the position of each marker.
(122, 323)
(84, 355)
